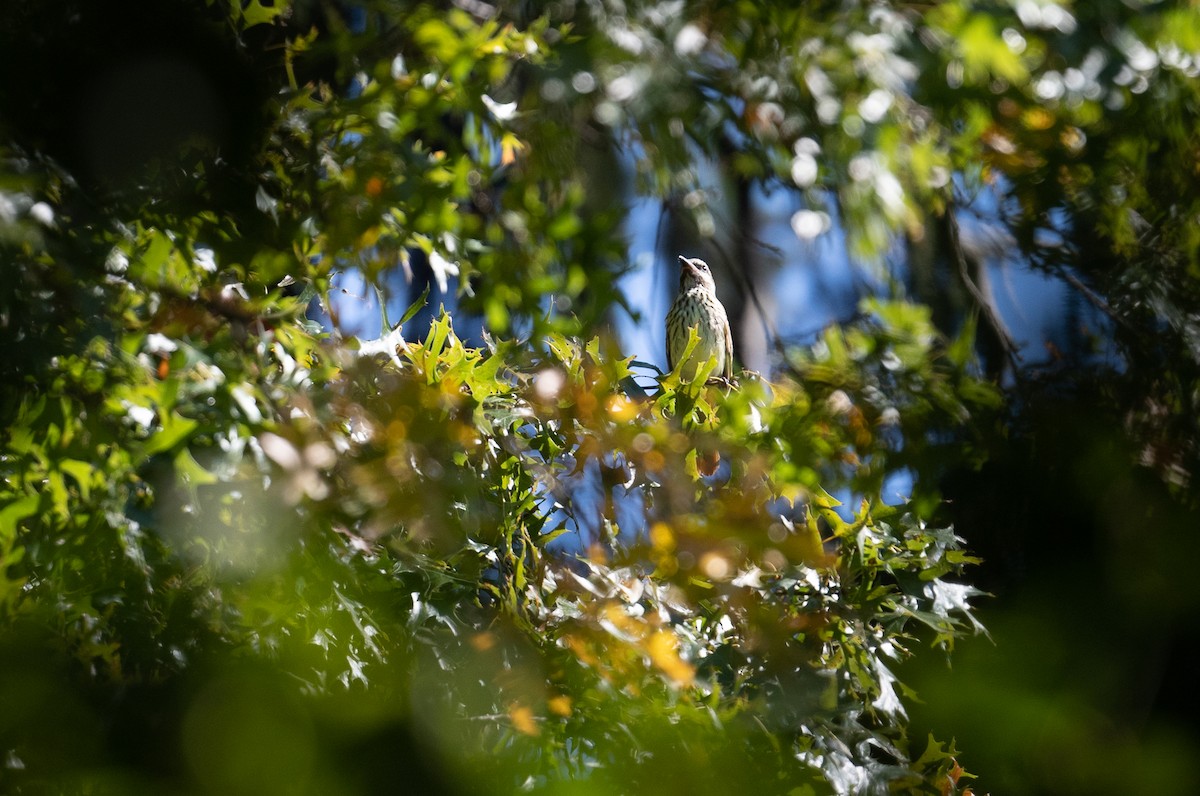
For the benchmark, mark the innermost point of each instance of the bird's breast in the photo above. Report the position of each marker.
(697, 308)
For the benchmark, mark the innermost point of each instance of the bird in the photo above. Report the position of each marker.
(697, 306)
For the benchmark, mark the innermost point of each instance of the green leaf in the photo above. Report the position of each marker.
(255, 13)
(12, 514)
(175, 429)
(82, 472)
(189, 471)
(416, 306)
(439, 330)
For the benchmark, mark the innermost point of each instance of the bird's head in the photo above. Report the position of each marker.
(694, 272)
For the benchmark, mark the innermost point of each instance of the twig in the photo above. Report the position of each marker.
(989, 312)
(1092, 297)
(748, 290)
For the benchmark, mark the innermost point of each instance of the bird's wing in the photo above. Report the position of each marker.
(728, 351)
(670, 347)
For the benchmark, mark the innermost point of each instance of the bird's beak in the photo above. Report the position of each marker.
(686, 264)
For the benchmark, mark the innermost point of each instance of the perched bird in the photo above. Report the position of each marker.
(697, 306)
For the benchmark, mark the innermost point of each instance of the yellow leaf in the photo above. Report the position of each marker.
(370, 236)
(559, 705)
(581, 649)
(662, 646)
(510, 145)
(620, 408)
(483, 641)
(523, 720)
(1038, 119)
(661, 537)
(808, 538)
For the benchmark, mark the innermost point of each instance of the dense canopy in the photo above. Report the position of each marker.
(248, 547)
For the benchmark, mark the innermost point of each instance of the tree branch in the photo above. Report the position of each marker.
(990, 316)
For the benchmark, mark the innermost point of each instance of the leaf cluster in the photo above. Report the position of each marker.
(502, 556)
